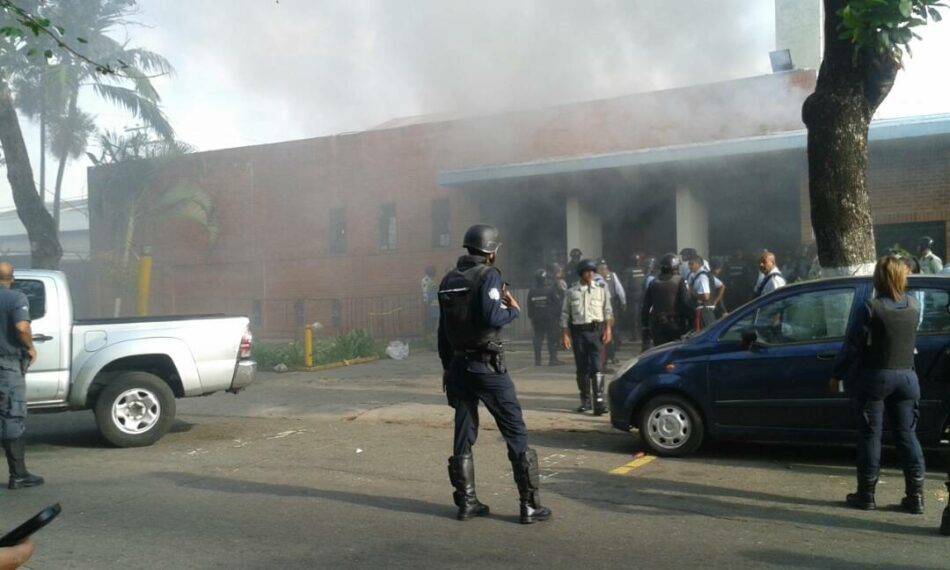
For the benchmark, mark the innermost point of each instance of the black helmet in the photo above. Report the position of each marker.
(688, 253)
(586, 265)
(648, 264)
(483, 238)
(540, 276)
(926, 242)
(555, 268)
(576, 253)
(670, 263)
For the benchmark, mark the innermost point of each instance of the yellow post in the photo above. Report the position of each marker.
(308, 347)
(145, 283)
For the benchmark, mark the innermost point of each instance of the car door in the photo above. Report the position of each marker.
(48, 378)
(781, 381)
(933, 354)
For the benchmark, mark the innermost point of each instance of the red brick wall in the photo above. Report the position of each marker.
(272, 201)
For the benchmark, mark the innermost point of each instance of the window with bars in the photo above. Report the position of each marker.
(337, 225)
(387, 227)
(441, 236)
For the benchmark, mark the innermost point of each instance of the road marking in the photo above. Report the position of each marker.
(635, 464)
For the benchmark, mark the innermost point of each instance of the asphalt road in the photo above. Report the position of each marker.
(347, 469)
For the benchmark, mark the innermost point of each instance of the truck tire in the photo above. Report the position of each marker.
(135, 409)
(670, 426)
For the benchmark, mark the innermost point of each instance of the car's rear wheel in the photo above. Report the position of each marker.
(135, 410)
(670, 426)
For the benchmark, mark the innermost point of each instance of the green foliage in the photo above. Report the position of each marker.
(885, 28)
(357, 344)
(25, 31)
(270, 355)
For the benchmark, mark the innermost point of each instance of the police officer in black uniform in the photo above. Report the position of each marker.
(665, 309)
(633, 284)
(475, 305)
(544, 309)
(17, 354)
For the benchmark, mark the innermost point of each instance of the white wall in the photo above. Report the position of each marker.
(798, 27)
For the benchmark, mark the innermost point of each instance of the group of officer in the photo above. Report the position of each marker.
(681, 292)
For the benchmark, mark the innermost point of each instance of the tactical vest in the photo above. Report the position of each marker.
(461, 304)
(892, 334)
(665, 294)
(635, 286)
(541, 302)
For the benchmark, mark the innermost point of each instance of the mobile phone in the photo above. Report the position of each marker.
(25, 530)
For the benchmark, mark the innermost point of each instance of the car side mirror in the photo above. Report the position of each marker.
(749, 337)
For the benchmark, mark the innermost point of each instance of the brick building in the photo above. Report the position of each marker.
(340, 229)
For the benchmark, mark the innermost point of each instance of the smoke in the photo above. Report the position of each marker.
(323, 66)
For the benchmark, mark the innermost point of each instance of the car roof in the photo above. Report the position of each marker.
(858, 279)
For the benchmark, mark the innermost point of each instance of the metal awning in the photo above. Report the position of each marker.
(882, 130)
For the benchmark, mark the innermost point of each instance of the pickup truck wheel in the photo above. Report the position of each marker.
(671, 427)
(135, 410)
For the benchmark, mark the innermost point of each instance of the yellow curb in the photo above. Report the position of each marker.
(635, 464)
(340, 364)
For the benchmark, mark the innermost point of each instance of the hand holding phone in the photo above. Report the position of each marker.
(25, 530)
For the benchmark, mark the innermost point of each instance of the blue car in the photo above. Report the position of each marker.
(763, 372)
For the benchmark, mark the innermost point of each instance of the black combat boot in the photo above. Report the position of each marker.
(462, 476)
(528, 479)
(600, 405)
(19, 476)
(913, 501)
(583, 388)
(945, 522)
(864, 498)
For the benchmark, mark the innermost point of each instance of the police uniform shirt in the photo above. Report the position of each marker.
(699, 283)
(14, 308)
(586, 304)
(775, 281)
(931, 264)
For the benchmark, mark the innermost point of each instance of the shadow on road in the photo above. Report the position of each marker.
(222, 485)
(789, 559)
(659, 497)
(76, 429)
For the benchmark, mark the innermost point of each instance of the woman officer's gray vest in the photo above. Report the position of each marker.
(461, 304)
(892, 332)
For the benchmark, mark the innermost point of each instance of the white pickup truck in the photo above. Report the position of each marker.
(129, 371)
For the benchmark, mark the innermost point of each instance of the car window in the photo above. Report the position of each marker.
(935, 310)
(814, 316)
(36, 293)
(734, 334)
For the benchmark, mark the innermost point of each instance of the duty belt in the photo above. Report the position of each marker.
(588, 327)
(477, 355)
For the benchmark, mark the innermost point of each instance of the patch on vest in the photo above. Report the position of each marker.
(494, 294)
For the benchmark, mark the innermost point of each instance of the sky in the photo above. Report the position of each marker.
(261, 71)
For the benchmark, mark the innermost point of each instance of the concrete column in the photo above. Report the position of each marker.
(584, 228)
(692, 221)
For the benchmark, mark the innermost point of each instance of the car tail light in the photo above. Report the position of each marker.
(247, 343)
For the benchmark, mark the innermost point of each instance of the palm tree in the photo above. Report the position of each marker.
(140, 192)
(131, 89)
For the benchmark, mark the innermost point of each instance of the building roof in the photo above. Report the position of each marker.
(882, 130)
(74, 217)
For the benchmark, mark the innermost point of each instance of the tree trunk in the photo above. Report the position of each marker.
(61, 169)
(838, 115)
(44, 241)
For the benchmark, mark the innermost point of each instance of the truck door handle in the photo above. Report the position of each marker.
(42, 337)
(827, 355)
